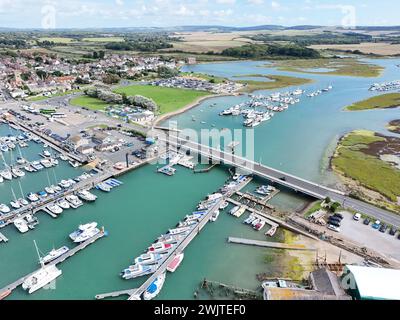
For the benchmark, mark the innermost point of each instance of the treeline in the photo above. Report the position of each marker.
(12, 43)
(111, 97)
(321, 38)
(255, 51)
(141, 44)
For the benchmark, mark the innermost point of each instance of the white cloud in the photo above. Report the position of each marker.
(226, 1)
(275, 5)
(255, 1)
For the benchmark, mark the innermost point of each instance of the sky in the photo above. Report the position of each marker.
(166, 13)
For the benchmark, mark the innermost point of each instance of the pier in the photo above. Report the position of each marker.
(59, 260)
(179, 248)
(267, 244)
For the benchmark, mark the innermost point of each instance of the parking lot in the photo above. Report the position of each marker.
(371, 238)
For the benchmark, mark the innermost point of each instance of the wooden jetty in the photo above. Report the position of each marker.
(61, 259)
(267, 244)
(206, 169)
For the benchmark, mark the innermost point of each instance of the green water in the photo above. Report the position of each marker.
(148, 204)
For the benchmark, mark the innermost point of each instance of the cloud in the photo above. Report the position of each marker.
(255, 1)
(226, 1)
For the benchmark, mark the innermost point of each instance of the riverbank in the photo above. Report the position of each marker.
(328, 66)
(384, 101)
(188, 107)
(366, 163)
(394, 126)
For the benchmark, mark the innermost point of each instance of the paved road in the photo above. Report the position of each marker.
(295, 183)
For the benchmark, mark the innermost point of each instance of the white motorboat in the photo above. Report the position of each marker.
(104, 187)
(224, 205)
(84, 232)
(21, 225)
(4, 208)
(148, 258)
(65, 184)
(28, 168)
(23, 202)
(21, 160)
(214, 216)
(6, 174)
(155, 287)
(233, 210)
(64, 204)
(54, 254)
(74, 200)
(46, 163)
(46, 153)
(175, 263)
(15, 204)
(54, 208)
(17, 172)
(138, 270)
(86, 195)
(160, 247)
(49, 190)
(63, 157)
(179, 230)
(37, 166)
(33, 197)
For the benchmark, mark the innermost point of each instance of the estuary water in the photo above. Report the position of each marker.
(299, 141)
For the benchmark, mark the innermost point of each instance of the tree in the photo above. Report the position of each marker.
(110, 78)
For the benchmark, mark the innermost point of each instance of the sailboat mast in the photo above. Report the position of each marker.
(37, 251)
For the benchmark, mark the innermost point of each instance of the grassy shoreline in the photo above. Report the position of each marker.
(357, 162)
(277, 83)
(384, 101)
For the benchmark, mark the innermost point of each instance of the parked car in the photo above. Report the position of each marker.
(367, 221)
(392, 231)
(376, 224)
(383, 228)
(333, 218)
(334, 223)
(398, 237)
(333, 228)
(357, 217)
(339, 215)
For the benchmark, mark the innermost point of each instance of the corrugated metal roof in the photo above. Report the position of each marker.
(376, 283)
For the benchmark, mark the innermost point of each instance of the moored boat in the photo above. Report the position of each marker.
(155, 287)
(175, 263)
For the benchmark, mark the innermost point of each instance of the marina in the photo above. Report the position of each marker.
(59, 260)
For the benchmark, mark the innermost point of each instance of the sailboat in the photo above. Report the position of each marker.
(44, 276)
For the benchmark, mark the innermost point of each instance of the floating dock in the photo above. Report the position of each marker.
(267, 244)
(65, 256)
(3, 238)
(179, 248)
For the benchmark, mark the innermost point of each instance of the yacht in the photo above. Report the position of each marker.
(214, 196)
(259, 225)
(263, 190)
(155, 287)
(224, 205)
(46, 153)
(73, 200)
(44, 276)
(148, 258)
(4, 208)
(49, 190)
(179, 230)
(64, 204)
(250, 219)
(21, 225)
(214, 216)
(29, 168)
(23, 202)
(54, 254)
(160, 247)
(54, 208)
(46, 163)
(169, 238)
(6, 174)
(138, 270)
(32, 221)
(84, 232)
(64, 184)
(187, 223)
(17, 172)
(37, 166)
(21, 160)
(233, 210)
(15, 204)
(86, 195)
(63, 157)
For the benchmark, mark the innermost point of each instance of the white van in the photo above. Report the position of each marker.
(357, 217)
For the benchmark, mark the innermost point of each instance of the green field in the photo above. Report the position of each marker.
(203, 76)
(279, 82)
(40, 98)
(57, 39)
(89, 102)
(353, 162)
(340, 67)
(168, 99)
(389, 100)
(104, 39)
